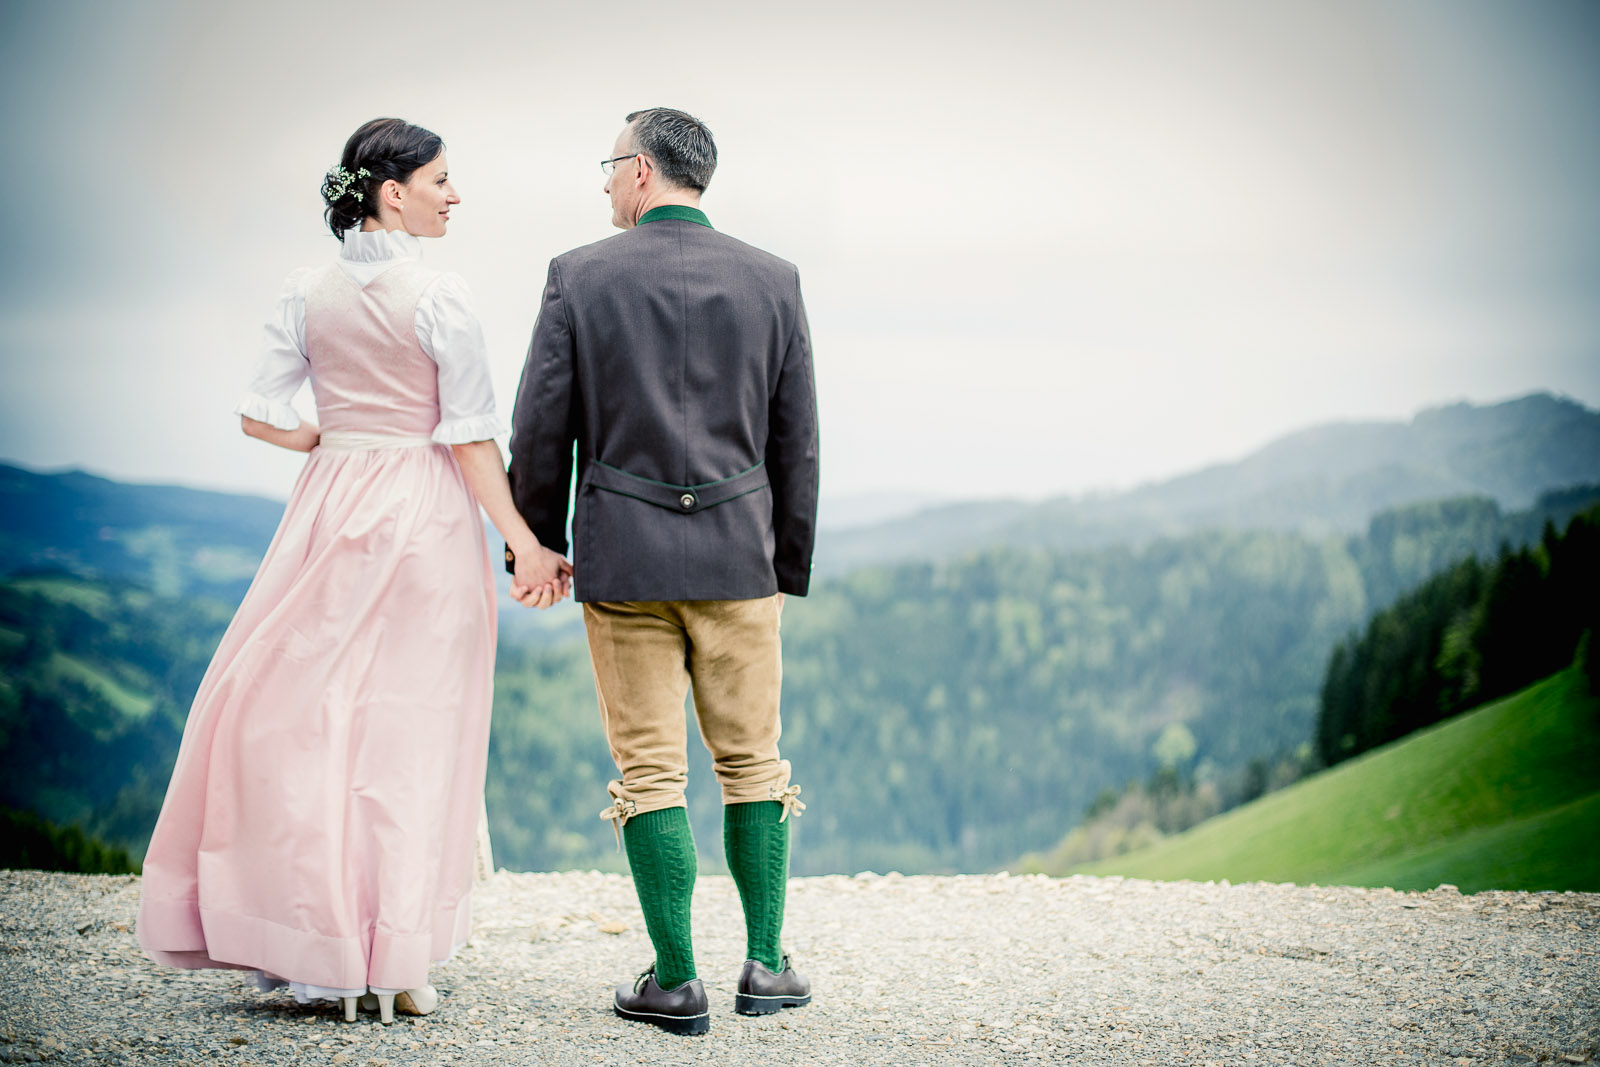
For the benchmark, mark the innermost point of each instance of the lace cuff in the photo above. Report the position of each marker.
(465, 430)
(274, 413)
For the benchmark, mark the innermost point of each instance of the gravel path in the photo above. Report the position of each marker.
(924, 970)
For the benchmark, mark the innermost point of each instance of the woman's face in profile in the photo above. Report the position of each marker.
(427, 198)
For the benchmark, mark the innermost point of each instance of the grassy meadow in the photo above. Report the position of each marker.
(1503, 797)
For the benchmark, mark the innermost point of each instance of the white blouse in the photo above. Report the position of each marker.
(446, 325)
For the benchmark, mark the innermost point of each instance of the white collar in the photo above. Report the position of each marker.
(376, 246)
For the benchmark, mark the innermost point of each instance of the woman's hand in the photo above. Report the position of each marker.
(303, 439)
(540, 578)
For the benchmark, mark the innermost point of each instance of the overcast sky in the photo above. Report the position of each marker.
(1046, 247)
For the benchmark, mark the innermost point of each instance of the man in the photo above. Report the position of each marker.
(678, 361)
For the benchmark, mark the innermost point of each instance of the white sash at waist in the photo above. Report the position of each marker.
(358, 441)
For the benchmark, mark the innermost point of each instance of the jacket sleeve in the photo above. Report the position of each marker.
(792, 458)
(544, 424)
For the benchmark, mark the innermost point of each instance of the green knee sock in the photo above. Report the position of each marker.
(661, 855)
(757, 847)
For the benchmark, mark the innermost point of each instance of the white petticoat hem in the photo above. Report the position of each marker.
(306, 992)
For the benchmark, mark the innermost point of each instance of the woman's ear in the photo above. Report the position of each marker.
(389, 193)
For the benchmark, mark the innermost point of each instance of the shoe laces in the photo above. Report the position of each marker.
(639, 982)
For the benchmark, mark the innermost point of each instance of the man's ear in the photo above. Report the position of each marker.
(646, 168)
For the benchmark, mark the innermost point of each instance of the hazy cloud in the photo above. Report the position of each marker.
(1045, 248)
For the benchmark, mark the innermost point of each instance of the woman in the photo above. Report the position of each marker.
(319, 826)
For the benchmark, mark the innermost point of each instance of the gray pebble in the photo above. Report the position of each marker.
(922, 970)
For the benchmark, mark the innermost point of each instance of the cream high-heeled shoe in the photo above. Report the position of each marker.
(407, 1002)
(417, 1001)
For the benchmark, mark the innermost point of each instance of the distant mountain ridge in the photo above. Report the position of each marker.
(1325, 479)
(170, 539)
(1318, 481)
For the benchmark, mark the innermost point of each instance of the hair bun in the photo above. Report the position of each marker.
(381, 150)
(341, 183)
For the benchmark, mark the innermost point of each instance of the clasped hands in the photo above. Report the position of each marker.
(540, 578)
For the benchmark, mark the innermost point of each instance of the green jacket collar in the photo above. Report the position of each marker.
(676, 211)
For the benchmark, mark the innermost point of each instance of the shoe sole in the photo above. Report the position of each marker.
(750, 1004)
(673, 1024)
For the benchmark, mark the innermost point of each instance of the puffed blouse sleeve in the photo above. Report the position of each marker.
(448, 329)
(282, 366)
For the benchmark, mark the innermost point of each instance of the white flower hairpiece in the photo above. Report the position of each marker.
(339, 181)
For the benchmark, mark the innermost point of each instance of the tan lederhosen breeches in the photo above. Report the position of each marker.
(647, 655)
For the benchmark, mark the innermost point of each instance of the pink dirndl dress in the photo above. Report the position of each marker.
(321, 820)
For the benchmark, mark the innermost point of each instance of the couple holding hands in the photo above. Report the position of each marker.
(319, 828)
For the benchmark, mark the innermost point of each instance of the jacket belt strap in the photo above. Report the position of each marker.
(684, 499)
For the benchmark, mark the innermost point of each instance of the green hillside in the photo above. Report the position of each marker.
(95, 683)
(1504, 797)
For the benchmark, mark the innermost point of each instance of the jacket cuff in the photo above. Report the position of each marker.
(793, 581)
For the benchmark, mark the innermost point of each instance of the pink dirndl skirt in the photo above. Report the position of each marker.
(321, 820)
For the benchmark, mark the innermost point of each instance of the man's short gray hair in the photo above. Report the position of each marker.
(679, 143)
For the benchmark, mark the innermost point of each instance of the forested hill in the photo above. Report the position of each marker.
(1477, 631)
(970, 711)
(1326, 479)
(945, 717)
(167, 539)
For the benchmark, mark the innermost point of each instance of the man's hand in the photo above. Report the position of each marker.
(541, 578)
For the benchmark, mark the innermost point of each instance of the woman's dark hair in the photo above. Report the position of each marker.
(385, 149)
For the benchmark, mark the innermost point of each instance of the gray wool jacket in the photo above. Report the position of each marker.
(670, 370)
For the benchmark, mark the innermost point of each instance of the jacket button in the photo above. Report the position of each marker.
(687, 500)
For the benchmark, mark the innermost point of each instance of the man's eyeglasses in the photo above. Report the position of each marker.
(609, 166)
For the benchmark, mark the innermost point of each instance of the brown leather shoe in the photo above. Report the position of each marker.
(761, 992)
(680, 1011)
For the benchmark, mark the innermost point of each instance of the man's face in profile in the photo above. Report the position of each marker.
(620, 183)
